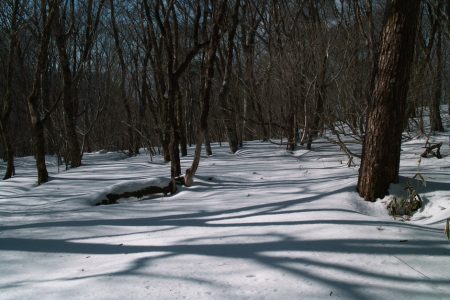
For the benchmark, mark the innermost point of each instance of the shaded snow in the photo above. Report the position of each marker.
(261, 224)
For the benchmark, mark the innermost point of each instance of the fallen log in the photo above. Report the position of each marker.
(113, 197)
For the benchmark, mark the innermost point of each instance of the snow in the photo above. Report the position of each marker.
(261, 224)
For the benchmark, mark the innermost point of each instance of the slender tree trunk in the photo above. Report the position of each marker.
(206, 92)
(123, 92)
(320, 99)
(182, 123)
(381, 151)
(208, 148)
(435, 111)
(291, 142)
(145, 90)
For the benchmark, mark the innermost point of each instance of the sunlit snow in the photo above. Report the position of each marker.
(261, 224)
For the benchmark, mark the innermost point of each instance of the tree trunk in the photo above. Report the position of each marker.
(70, 102)
(174, 150)
(435, 111)
(291, 142)
(206, 92)
(182, 123)
(9, 150)
(5, 111)
(228, 116)
(448, 35)
(39, 145)
(320, 99)
(208, 148)
(381, 150)
(123, 92)
(37, 123)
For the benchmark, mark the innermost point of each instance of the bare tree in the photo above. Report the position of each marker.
(71, 76)
(218, 20)
(37, 118)
(168, 52)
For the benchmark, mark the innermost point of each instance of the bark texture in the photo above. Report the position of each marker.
(381, 150)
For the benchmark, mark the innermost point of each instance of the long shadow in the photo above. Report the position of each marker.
(236, 250)
(257, 251)
(203, 218)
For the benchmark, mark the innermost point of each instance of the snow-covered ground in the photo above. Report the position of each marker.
(261, 224)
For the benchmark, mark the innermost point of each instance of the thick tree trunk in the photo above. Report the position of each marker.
(381, 150)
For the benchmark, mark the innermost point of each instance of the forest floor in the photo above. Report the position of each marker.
(261, 224)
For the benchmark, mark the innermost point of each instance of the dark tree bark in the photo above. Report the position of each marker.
(381, 150)
(448, 35)
(182, 123)
(37, 122)
(208, 149)
(435, 111)
(5, 111)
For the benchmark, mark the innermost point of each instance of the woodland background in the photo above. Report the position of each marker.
(82, 76)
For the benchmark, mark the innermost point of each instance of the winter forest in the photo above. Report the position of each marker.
(225, 149)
